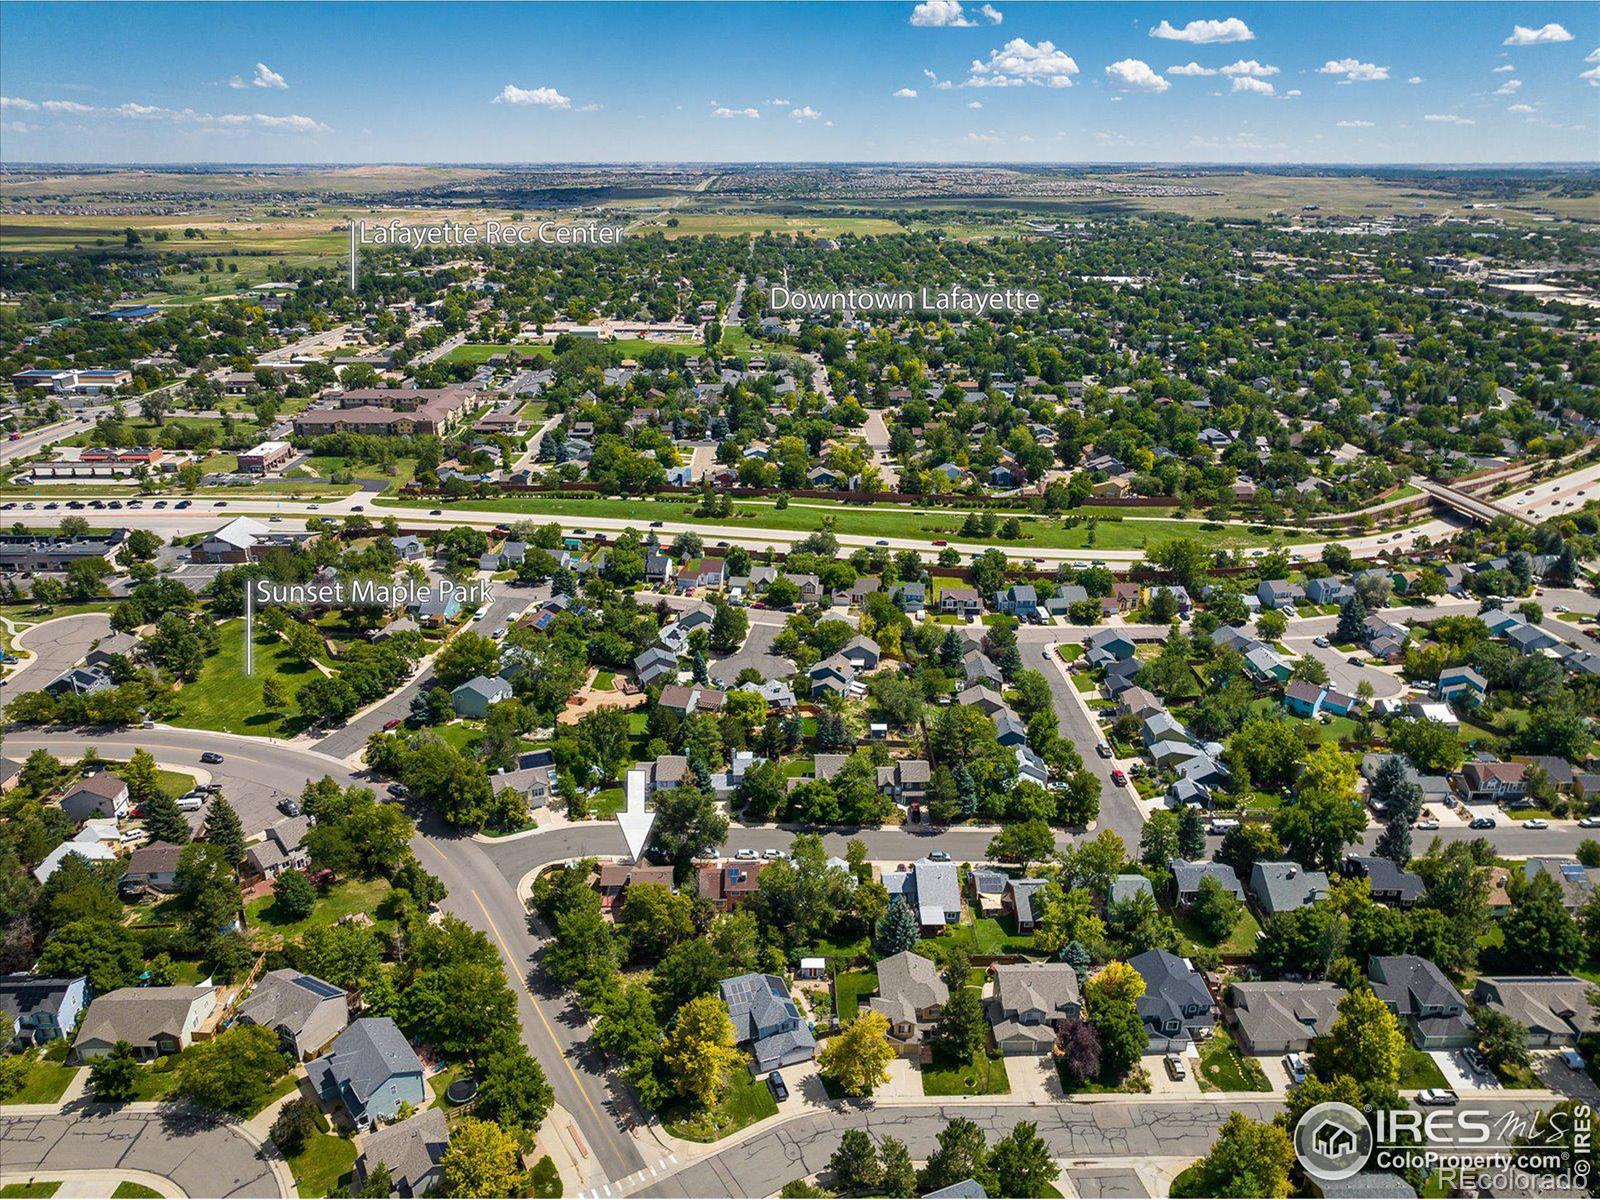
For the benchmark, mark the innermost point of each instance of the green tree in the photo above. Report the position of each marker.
(858, 1058)
(481, 1160)
(853, 1168)
(223, 828)
(113, 1078)
(1217, 910)
(961, 1154)
(1249, 1158)
(233, 1071)
(1365, 1043)
(699, 1051)
(1540, 935)
(899, 1177)
(1191, 835)
(293, 895)
(513, 1091)
(898, 931)
(293, 1126)
(164, 820)
(1021, 1162)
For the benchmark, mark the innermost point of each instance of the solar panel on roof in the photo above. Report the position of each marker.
(1572, 870)
(318, 987)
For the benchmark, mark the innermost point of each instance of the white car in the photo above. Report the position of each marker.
(1536, 823)
(1427, 823)
(1437, 1097)
(747, 854)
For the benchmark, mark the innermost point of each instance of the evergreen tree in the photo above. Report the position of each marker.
(950, 650)
(854, 1168)
(1394, 843)
(966, 791)
(1352, 620)
(1191, 835)
(898, 1178)
(898, 931)
(163, 820)
(223, 828)
(1393, 793)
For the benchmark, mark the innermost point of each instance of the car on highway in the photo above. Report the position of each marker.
(1437, 1098)
(15, 437)
(940, 542)
(1536, 823)
(434, 512)
(1118, 778)
(211, 756)
(1481, 823)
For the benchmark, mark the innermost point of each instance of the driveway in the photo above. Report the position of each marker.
(201, 1156)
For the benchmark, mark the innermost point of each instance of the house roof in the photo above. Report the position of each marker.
(1276, 1012)
(363, 1058)
(1558, 1004)
(1170, 983)
(1286, 886)
(1188, 875)
(158, 858)
(102, 783)
(938, 890)
(21, 994)
(1049, 987)
(411, 1149)
(137, 1015)
(907, 983)
(1411, 983)
(286, 999)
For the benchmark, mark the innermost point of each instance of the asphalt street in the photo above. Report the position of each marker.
(204, 1157)
(58, 645)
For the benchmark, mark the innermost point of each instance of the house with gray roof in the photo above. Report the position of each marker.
(654, 664)
(1389, 883)
(411, 1150)
(933, 891)
(155, 1021)
(370, 1071)
(1187, 876)
(1126, 887)
(1556, 1010)
(766, 1021)
(40, 1010)
(1426, 1002)
(1278, 1017)
(476, 696)
(911, 995)
(306, 1012)
(1285, 886)
(1030, 1000)
(1019, 902)
(281, 850)
(1176, 1006)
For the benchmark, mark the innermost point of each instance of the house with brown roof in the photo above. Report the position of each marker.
(727, 885)
(154, 867)
(615, 879)
(99, 795)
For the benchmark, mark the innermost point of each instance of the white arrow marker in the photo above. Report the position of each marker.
(635, 821)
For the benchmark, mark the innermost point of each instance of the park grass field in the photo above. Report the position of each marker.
(224, 698)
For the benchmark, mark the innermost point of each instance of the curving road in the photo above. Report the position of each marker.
(202, 1156)
(56, 644)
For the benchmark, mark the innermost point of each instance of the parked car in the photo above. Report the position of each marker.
(289, 807)
(392, 723)
(1175, 1067)
(1536, 823)
(1296, 1067)
(1221, 826)
(1589, 822)
(1573, 1059)
(938, 856)
(1438, 1097)
(191, 802)
(1481, 823)
(1427, 823)
(746, 854)
(1355, 660)
(1321, 641)
(1103, 750)
(779, 1089)
(1118, 778)
(396, 791)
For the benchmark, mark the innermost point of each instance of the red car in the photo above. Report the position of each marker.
(1118, 778)
(392, 723)
(940, 542)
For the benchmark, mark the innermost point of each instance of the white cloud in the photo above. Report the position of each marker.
(941, 14)
(1545, 35)
(1191, 68)
(992, 14)
(1415, 79)
(137, 112)
(266, 77)
(1354, 124)
(68, 106)
(1448, 119)
(1259, 87)
(1520, 108)
(982, 137)
(1249, 66)
(542, 97)
(1353, 70)
(804, 113)
(1017, 63)
(1204, 33)
(1503, 69)
(1132, 75)
(1592, 75)
(1593, 55)
(17, 127)
(1292, 92)
(293, 123)
(778, 103)
(939, 85)
(1509, 88)
(906, 94)
(727, 113)
(974, 103)
(18, 103)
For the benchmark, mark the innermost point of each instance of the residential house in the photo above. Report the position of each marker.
(911, 598)
(1187, 877)
(615, 879)
(1279, 593)
(703, 573)
(1464, 682)
(370, 1071)
(862, 653)
(1018, 901)
(1108, 645)
(977, 668)
(1019, 600)
(1577, 881)
(836, 676)
(655, 664)
(1389, 883)
(88, 845)
(1493, 782)
(281, 850)
(476, 696)
(1330, 589)
(1266, 665)
(905, 780)
(1384, 640)
(1285, 886)
(1556, 1010)
(728, 885)
(933, 891)
(1281, 1017)
(155, 1021)
(40, 1010)
(1030, 1002)
(306, 1012)
(154, 867)
(989, 891)
(1176, 1006)
(766, 1021)
(411, 1151)
(911, 996)
(1426, 1002)
(99, 795)
(960, 601)
(686, 701)
(1125, 887)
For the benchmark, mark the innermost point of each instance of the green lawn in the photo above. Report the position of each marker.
(29, 1191)
(851, 990)
(156, 1081)
(128, 1190)
(604, 681)
(747, 1102)
(943, 1077)
(1224, 1069)
(323, 1168)
(607, 803)
(984, 935)
(878, 520)
(352, 896)
(438, 1083)
(1241, 942)
(46, 1083)
(289, 1084)
(226, 699)
(1418, 1070)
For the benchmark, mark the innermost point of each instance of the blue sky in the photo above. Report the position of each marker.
(996, 82)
